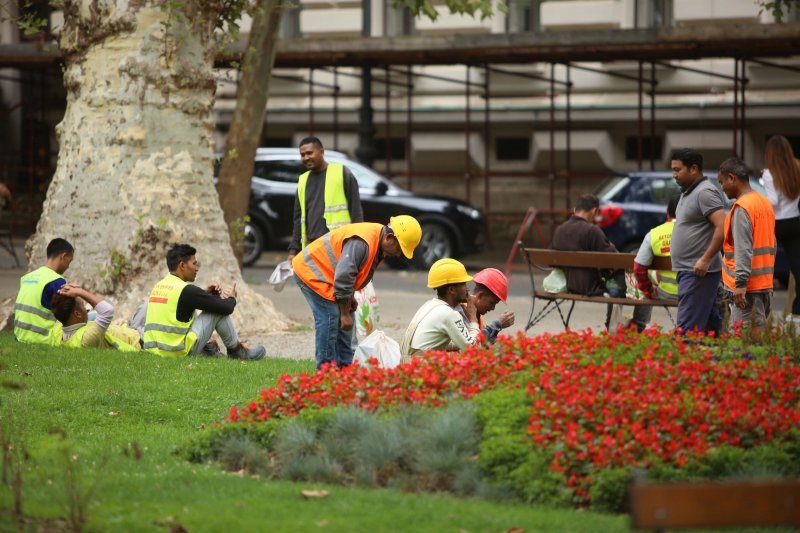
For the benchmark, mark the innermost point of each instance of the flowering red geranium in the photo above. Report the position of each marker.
(596, 400)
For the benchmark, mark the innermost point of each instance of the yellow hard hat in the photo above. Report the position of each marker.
(446, 271)
(408, 233)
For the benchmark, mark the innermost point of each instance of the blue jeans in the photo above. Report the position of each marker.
(333, 344)
(697, 302)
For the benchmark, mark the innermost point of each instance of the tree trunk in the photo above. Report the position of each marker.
(248, 119)
(135, 161)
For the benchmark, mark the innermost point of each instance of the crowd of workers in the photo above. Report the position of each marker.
(334, 253)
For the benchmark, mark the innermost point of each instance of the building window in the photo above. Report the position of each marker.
(277, 142)
(397, 148)
(650, 150)
(512, 148)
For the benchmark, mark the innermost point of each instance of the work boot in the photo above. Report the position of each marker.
(240, 351)
(211, 349)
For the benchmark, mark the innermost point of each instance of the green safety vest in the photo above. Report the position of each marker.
(660, 237)
(34, 323)
(336, 214)
(76, 341)
(164, 334)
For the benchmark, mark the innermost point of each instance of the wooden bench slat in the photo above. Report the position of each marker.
(702, 505)
(612, 260)
(603, 299)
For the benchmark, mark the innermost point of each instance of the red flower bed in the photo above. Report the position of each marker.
(597, 401)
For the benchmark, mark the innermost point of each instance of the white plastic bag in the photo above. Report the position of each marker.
(555, 281)
(280, 275)
(368, 315)
(379, 346)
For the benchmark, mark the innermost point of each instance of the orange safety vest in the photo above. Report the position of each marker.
(316, 264)
(762, 267)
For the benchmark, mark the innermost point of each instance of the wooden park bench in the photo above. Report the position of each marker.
(751, 503)
(549, 259)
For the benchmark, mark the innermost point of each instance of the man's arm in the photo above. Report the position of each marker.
(294, 244)
(717, 219)
(355, 253)
(742, 228)
(461, 335)
(353, 197)
(193, 297)
(598, 242)
(644, 258)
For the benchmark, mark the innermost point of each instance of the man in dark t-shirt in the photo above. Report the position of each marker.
(312, 188)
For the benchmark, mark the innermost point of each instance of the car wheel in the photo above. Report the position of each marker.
(436, 243)
(254, 242)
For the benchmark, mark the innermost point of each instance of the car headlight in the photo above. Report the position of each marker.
(471, 212)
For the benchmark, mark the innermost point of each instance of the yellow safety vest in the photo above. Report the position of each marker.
(660, 237)
(164, 334)
(336, 213)
(76, 341)
(34, 323)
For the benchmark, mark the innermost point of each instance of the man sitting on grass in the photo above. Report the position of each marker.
(69, 308)
(171, 328)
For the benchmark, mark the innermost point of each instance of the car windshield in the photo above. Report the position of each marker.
(366, 178)
(609, 188)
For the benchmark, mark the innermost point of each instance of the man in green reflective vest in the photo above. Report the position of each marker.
(34, 322)
(171, 328)
(656, 284)
(327, 197)
(69, 307)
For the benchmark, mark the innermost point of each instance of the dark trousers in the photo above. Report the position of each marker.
(697, 302)
(787, 232)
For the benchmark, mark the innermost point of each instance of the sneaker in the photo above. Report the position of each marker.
(247, 354)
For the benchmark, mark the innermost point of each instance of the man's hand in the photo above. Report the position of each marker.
(214, 288)
(353, 305)
(230, 292)
(506, 319)
(470, 310)
(346, 321)
(71, 290)
(701, 267)
(740, 297)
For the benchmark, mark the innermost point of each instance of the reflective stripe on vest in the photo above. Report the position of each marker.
(335, 212)
(316, 265)
(660, 240)
(164, 334)
(76, 341)
(762, 266)
(34, 323)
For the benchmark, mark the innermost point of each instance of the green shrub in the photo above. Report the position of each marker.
(610, 489)
(507, 454)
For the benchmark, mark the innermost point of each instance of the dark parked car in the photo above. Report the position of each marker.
(632, 204)
(450, 227)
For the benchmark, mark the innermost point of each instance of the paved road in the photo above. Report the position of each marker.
(400, 294)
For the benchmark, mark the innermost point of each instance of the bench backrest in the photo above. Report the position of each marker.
(710, 505)
(557, 258)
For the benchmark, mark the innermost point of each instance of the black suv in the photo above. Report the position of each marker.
(450, 227)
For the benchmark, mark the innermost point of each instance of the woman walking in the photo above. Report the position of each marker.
(782, 184)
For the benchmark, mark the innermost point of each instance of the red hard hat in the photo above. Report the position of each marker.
(494, 280)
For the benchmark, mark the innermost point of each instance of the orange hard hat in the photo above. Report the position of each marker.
(494, 280)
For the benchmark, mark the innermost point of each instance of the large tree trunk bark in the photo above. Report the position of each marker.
(134, 168)
(248, 119)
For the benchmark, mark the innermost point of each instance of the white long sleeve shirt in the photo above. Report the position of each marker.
(440, 328)
(784, 207)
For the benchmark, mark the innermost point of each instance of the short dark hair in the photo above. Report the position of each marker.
(311, 140)
(688, 157)
(178, 253)
(62, 307)
(586, 202)
(59, 246)
(737, 167)
(672, 206)
(481, 289)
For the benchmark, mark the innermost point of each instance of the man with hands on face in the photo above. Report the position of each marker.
(491, 287)
(171, 327)
(439, 323)
(748, 247)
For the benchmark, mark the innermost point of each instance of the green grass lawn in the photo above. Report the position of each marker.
(105, 400)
